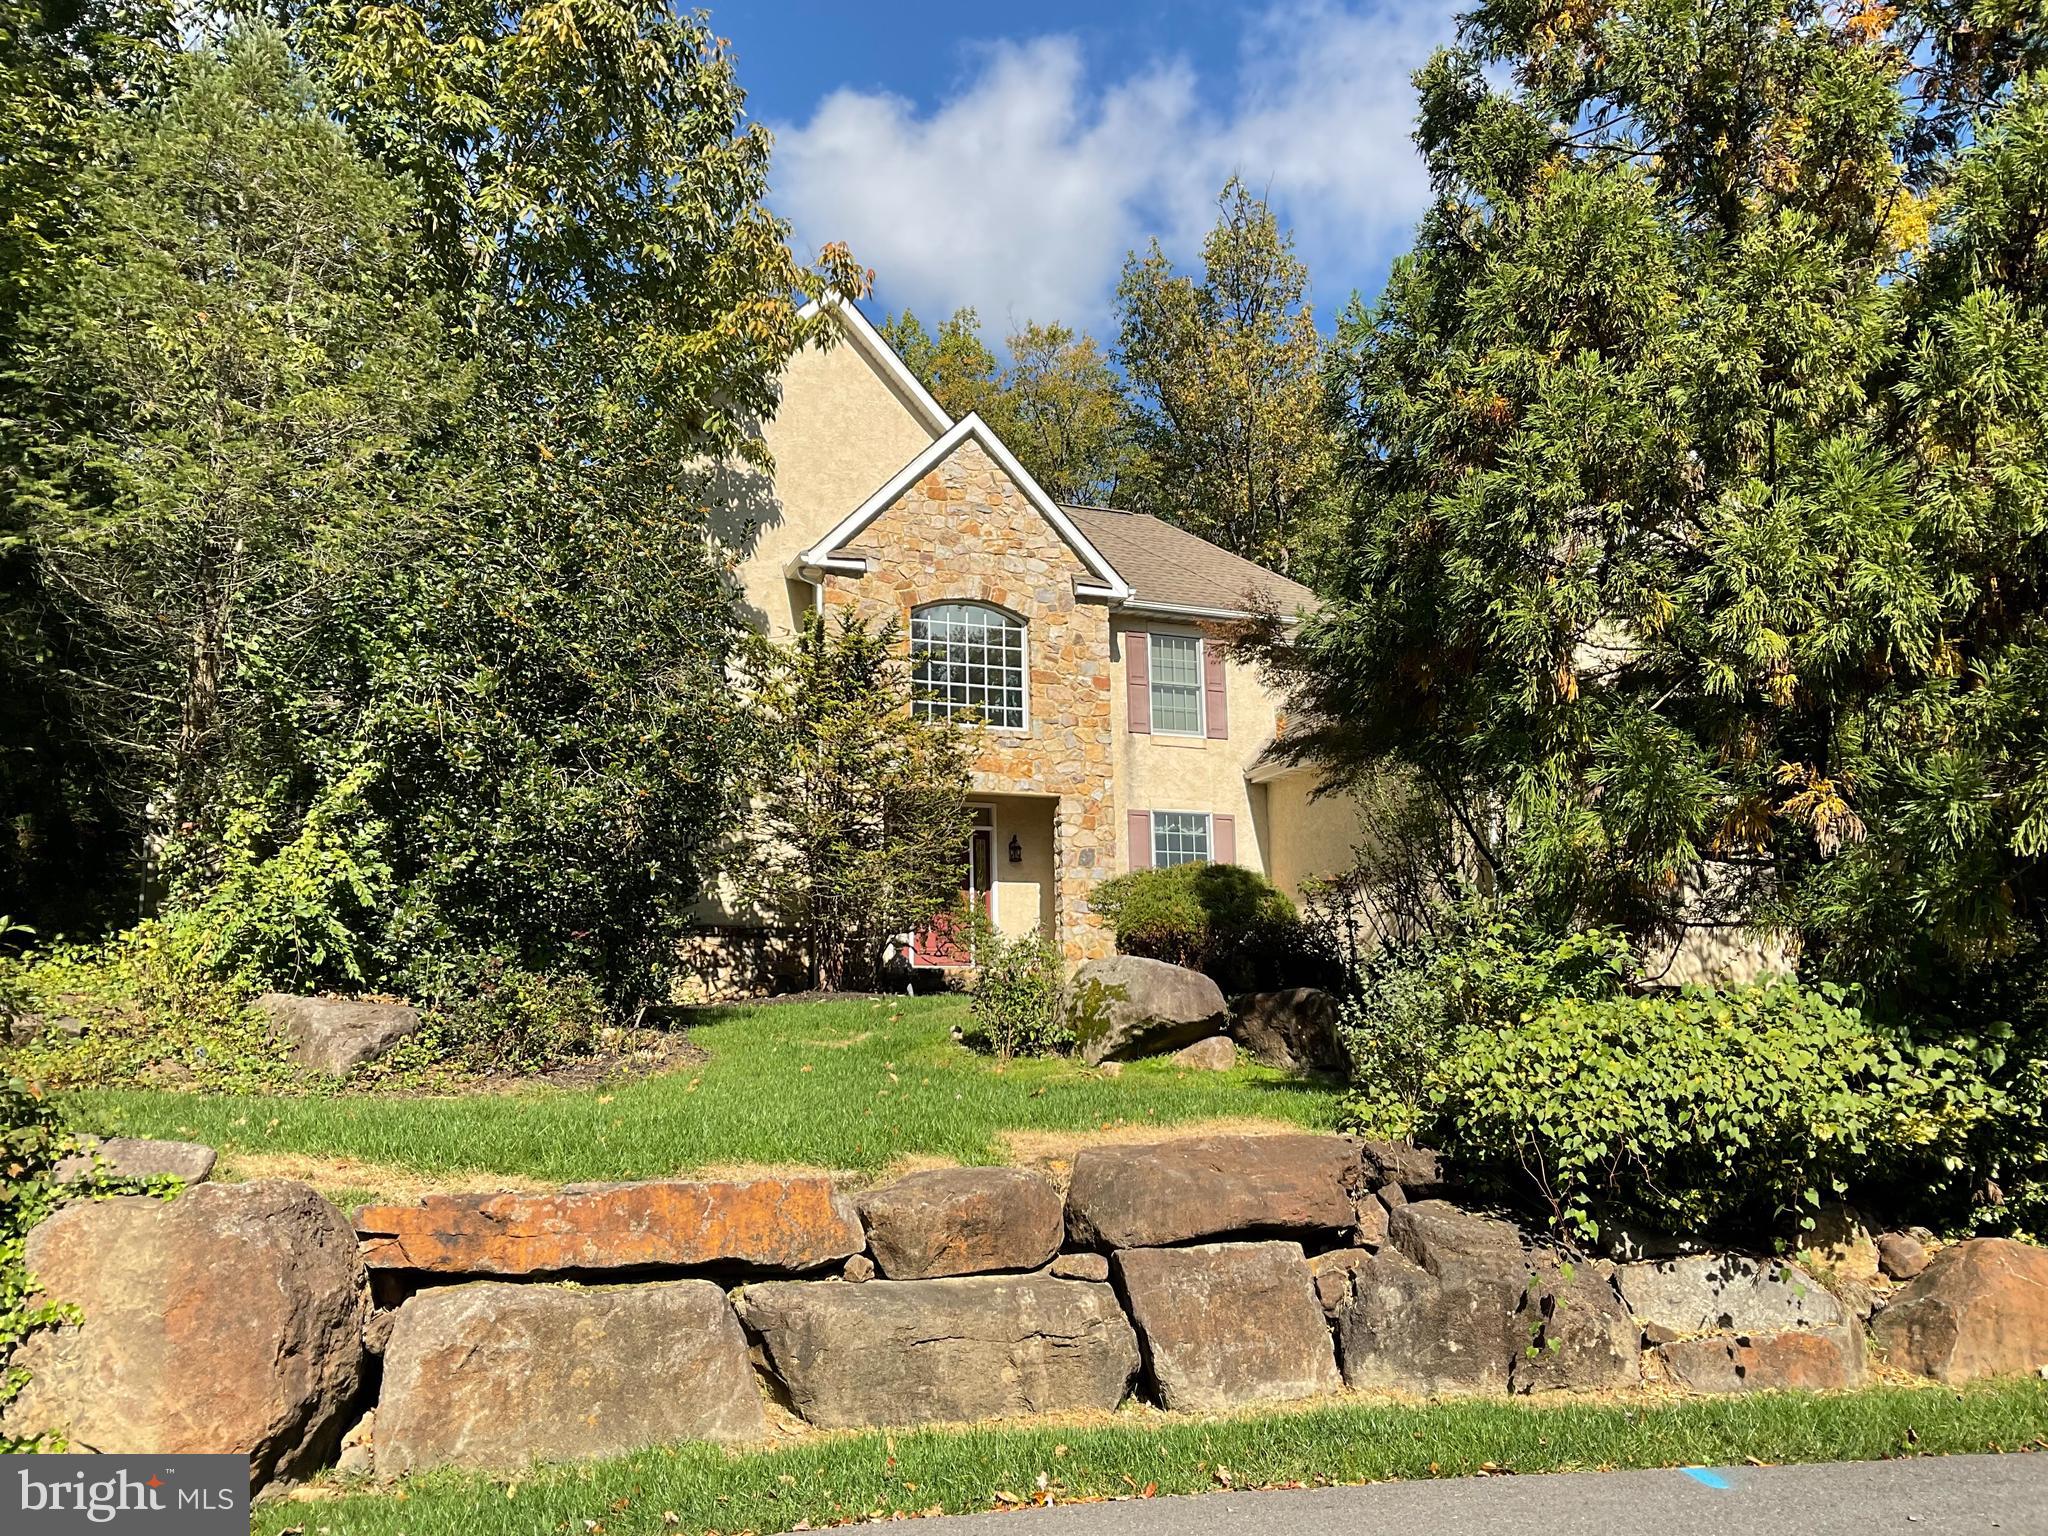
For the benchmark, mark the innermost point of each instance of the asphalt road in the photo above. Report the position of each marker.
(1932, 1494)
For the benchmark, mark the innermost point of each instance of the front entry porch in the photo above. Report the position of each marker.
(1006, 874)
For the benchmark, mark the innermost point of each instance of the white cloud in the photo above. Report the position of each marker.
(1021, 193)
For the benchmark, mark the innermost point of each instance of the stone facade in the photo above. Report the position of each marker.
(967, 532)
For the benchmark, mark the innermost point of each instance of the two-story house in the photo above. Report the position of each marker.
(1117, 733)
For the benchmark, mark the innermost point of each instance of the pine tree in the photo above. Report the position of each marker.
(1698, 450)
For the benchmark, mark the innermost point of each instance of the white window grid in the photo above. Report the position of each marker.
(1177, 685)
(1179, 837)
(968, 664)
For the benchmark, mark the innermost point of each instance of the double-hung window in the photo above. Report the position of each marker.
(1177, 685)
(967, 664)
(1179, 837)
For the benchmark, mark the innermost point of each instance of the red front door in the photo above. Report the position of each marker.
(946, 942)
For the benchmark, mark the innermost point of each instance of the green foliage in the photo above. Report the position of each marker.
(255, 367)
(1222, 919)
(486, 1016)
(146, 1006)
(32, 1139)
(860, 817)
(1016, 999)
(1415, 1003)
(61, 67)
(1227, 373)
(1708, 1115)
(385, 391)
(292, 913)
(1696, 455)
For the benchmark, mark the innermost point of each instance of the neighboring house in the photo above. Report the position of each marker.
(1117, 734)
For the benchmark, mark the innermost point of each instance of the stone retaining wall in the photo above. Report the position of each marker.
(1200, 1274)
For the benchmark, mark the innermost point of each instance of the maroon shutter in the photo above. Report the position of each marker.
(1219, 696)
(1223, 833)
(1141, 839)
(1138, 682)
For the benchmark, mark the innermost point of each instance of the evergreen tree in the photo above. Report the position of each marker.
(1698, 452)
(860, 823)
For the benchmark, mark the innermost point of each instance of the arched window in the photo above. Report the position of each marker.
(967, 663)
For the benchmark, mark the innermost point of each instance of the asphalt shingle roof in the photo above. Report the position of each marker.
(1166, 564)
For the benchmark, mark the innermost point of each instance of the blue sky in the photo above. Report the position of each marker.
(1008, 156)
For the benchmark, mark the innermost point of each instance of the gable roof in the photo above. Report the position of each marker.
(829, 553)
(1173, 571)
(874, 347)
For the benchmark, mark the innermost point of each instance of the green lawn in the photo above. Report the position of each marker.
(830, 1479)
(843, 1085)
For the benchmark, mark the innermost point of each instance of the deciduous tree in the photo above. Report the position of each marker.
(1227, 372)
(1059, 404)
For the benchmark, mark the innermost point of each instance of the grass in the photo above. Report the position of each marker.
(699, 1488)
(850, 1086)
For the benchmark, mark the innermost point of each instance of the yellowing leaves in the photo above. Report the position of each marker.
(1821, 806)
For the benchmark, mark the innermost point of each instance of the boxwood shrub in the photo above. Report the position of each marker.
(1230, 922)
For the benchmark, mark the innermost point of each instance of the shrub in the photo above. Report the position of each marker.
(1223, 919)
(1692, 1113)
(485, 1014)
(152, 1010)
(1016, 999)
(32, 1138)
(1412, 1002)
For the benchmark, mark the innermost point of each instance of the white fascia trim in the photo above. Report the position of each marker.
(1265, 770)
(1112, 587)
(871, 345)
(1196, 611)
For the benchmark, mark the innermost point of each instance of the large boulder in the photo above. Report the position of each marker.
(228, 1320)
(496, 1375)
(1214, 1186)
(1726, 1293)
(1979, 1309)
(1228, 1323)
(1127, 1006)
(963, 1221)
(926, 1351)
(1810, 1360)
(1435, 1311)
(1575, 1333)
(335, 1034)
(1725, 1323)
(1294, 1029)
(785, 1225)
(132, 1157)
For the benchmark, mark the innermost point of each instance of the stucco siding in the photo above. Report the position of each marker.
(1312, 838)
(1161, 772)
(841, 431)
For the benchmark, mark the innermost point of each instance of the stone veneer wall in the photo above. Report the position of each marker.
(966, 532)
